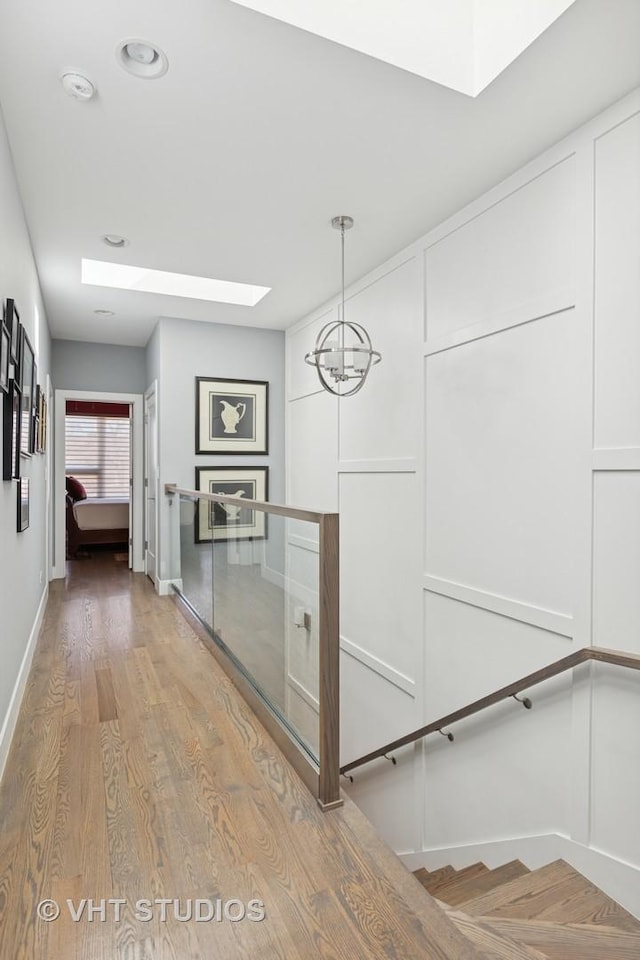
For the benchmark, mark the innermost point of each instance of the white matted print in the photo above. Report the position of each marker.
(232, 416)
(225, 521)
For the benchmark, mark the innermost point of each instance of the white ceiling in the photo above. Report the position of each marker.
(462, 44)
(234, 162)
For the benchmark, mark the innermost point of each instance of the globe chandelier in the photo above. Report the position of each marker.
(343, 353)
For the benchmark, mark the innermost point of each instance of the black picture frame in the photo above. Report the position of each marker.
(232, 416)
(11, 433)
(223, 523)
(5, 352)
(11, 319)
(22, 488)
(27, 382)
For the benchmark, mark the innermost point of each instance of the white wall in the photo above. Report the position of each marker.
(177, 353)
(103, 367)
(488, 481)
(23, 558)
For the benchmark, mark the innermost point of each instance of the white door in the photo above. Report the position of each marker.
(150, 483)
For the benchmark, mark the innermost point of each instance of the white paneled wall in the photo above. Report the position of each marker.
(502, 460)
(488, 481)
(517, 253)
(617, 286)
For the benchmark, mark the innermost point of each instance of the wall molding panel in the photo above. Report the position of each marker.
(549, 620)
(378, 666)
(303, 543)
(499, 487)
(402, 465)
(539, 309)
(303, 693)
(616, 458)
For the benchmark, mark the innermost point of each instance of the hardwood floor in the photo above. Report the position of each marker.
(137, 772)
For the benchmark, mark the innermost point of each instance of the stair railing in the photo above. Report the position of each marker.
(319, 769)
(586, 654)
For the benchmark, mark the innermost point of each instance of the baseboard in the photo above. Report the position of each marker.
(164, 588)
(618, 879)
(13, 710)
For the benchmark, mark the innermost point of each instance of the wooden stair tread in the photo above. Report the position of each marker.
(422, 875)
(555, 892)
(527, 896)
(493, 943)
(457, 891)
(567, 941)
(436, 875)
(437, 887)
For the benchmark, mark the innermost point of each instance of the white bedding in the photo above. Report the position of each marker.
(107, 513)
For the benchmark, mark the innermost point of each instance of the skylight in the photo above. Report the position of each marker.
(99, 273)
(462, 44)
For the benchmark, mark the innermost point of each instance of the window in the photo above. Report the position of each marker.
(97, 447)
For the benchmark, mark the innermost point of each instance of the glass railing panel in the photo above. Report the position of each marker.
(196, 559)
(265, 609)
(263, 580)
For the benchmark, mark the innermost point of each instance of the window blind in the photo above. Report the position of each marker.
(97, 452)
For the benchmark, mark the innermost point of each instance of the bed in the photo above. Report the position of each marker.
(96, 520)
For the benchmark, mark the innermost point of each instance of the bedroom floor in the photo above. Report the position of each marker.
(103, 552)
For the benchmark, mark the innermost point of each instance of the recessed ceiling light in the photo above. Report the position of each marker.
(142, 59)
(77, 86)
(104, 313)
(113, 240)
(124, 277)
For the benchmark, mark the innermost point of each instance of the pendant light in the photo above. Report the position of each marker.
(343, 352)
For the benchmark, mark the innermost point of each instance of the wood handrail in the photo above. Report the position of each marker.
(600, 654)
(294, 513)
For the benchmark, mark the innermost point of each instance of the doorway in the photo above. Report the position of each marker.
(151, 484)
(135, 401)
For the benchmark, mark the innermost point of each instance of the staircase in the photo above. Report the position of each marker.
(513, 913)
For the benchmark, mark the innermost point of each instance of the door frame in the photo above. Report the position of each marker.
(137, 472)
(151, 392)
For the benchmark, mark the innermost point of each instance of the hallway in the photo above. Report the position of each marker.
(138, 773)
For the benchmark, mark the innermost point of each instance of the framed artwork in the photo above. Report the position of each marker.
(232, 416)
(23, 503)
(41, 421)
(224, 521)
(11, 319)
(27, 382)
(5, 352)
(11, 433)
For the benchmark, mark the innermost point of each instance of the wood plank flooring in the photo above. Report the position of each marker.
(137, 772)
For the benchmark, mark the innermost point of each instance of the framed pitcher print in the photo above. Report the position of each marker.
(232, 416)
(226, 521)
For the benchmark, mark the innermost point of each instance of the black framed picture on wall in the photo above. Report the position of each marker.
(27, 380)
(11, 433)
(232, 416)
(222, 522)
(11, 320)
(23, 503)
(5, 350)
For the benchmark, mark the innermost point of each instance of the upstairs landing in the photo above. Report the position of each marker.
(138, 772)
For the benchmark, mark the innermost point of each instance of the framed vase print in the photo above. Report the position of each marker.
(225, 521)
(232, 416)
